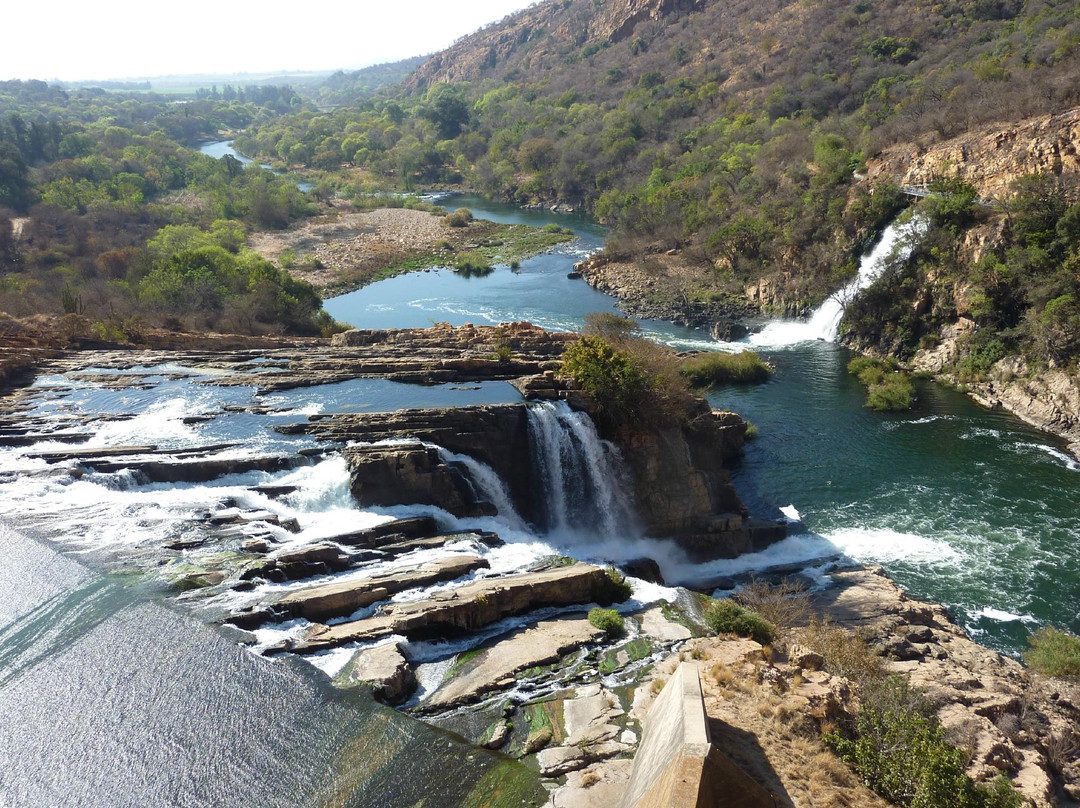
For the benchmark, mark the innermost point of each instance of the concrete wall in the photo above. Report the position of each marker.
(677, 766)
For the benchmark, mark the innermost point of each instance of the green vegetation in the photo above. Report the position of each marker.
(1054, 652)
(629, 376)
(899, 748)
(125, 228)
(1022, 296)
(615, 590)
(712, 369)
(728, 617)
(607, 620)
(888, 389)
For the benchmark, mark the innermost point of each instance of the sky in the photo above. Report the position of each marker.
(76, 40)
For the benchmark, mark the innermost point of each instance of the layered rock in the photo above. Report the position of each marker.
(990, 160)
(469, 607)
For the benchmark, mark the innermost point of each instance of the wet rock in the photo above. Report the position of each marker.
(412, 474)
(469, 607)
(389, 532)
(345, 597)
(542, 643)
(384, 668)
(644, 568)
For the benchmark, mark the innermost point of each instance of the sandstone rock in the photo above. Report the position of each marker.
(469, 607)
(805, 658)
(540, 644)
(384, 668)
(345, 597)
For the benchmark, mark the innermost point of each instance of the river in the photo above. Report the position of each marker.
(969, 508)
(114, 695)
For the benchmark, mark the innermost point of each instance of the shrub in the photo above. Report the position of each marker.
(710, 369)
(899, 749)
(459, 218)
(888, 389)
(1054, 652)
(614, 590)
(728, 617)
(609, 375)
(894, 393)
(846, 653)
(785, 605)
(607, 620)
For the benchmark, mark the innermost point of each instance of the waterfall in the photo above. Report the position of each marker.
(488, 486)
(897, 242)
(581, 475)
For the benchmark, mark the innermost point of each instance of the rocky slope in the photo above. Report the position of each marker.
(538, 31)
(990, 158)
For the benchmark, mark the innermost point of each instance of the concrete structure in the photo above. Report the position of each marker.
(677, 766)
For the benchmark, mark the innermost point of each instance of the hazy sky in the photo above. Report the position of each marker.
(83, 39)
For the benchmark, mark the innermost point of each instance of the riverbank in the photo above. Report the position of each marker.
(768, 707)
(345, 249)
(668, 287)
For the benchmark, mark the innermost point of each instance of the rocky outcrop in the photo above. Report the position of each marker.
(384, 669)
(469, 607)
(1010, 720)
(1048, 399)
(342, 599)
(495, 666)
(496, 435)
(541, 31)
(990, 160)
(665, 286)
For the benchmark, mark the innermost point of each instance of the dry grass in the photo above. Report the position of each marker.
(768, 735)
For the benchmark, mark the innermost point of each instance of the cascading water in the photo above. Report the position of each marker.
(897, 242)
(581, 474)
(488, 486)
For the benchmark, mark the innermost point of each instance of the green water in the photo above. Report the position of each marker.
(969, 508)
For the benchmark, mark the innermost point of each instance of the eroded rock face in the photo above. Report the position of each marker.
(469, 607)
(990, 160)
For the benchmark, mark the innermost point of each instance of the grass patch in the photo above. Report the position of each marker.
(1054, 652)
(728, 617)
(888, 389)
(711, 369)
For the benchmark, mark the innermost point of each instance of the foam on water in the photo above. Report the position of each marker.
(1000, 616)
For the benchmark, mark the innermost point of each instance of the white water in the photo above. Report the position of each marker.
(897, 242)
(582, 475)
(488, 486)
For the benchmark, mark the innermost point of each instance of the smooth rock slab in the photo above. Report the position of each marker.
(469, 607)
(339, 599)
(541, 644)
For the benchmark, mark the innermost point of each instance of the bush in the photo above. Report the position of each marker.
(614, 590)
(611, 376)
(785, 605)
(894, 393)
(459, 218)
(1054, 652)
(846, 653)
(728, 617)
(899, 749)
(607, 620)
(888, 389)
(710, 369)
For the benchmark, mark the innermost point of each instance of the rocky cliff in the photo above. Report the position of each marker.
(990, 159)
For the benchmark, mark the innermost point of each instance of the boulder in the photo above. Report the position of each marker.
(384, 669)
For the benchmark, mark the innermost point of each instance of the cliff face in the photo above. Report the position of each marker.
(990, 159)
